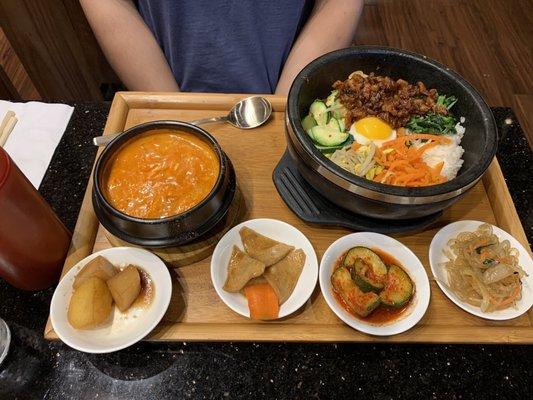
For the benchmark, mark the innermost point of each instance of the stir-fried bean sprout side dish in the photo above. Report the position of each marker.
(388, 131)
(484, 271)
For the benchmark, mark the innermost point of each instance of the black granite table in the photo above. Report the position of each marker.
(36, 368)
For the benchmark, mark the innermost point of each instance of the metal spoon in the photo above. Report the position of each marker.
(246, 114)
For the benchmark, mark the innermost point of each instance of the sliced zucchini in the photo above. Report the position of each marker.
(331, 98)
(339, 110)
(365, 284)
(398, 289)
(310, 133)
(328, 136)
(308, 122)
(369, 272)
(342, 125)
(332, 149)
(334, 123)
(339, 113)
(319, 112)
(359, 302)
(337, 123)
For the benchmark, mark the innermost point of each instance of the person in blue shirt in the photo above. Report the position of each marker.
(231, 46)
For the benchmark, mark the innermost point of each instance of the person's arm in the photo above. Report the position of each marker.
(331, 26)
(129, 46)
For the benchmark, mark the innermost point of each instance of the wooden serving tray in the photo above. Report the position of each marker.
(197, 314)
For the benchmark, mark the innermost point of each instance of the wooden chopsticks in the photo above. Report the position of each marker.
(6, 126)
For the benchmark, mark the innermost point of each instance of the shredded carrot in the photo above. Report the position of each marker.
(404, 165)
(397, 163)
(415, 136)
(262, 301)
(512, 297)
(412, 176)
(379, 176)
(425, 147)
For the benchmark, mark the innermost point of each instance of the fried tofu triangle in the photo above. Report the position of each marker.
(262, 248)
(241, 270)
(283, 276)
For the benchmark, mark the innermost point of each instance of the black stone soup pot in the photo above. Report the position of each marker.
(174, 230)
(370, 198)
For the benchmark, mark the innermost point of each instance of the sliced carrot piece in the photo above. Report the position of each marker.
(262, 301)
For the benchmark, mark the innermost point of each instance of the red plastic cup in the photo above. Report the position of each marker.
(33, 241)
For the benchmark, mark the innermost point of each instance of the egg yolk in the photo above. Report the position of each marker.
(373, 128)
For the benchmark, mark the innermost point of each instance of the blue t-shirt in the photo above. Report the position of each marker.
(232, 46)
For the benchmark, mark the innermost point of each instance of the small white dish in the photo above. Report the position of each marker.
(5, 340)
(437, 260)
(277, 230)
(410, 263)
(124, 329)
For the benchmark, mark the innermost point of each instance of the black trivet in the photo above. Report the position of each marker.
(313, 208)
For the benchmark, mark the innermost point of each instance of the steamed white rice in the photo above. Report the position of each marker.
(451, 153)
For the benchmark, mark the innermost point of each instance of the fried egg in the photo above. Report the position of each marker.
(372, 129)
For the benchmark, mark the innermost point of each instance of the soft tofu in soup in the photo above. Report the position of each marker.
(160, 174)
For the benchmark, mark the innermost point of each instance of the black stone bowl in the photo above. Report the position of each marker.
(174, 230)
(366, 197)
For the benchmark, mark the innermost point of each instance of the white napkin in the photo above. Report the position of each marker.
(36, 135)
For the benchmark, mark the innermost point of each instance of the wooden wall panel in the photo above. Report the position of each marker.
(489, 42)
(7, 89)
(95, 59)
(56, 46)
(14, 74)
